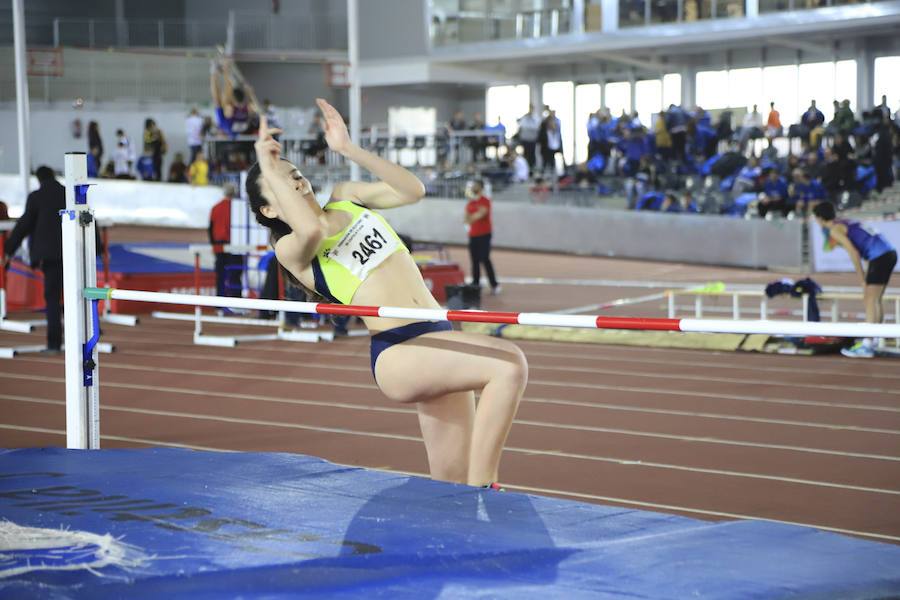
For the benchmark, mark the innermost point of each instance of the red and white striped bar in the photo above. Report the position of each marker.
(797, 328)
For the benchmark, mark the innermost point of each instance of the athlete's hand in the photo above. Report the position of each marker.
(336, 133)
(268, 150)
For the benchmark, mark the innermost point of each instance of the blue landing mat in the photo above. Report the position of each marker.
(186, 524)
(127, 258)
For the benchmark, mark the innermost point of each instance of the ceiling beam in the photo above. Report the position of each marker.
(795, 44)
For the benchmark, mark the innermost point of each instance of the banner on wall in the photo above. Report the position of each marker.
(837, 259)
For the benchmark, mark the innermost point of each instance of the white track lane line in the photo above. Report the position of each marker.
(527, 451)
(564, 384)
(609, 406)
(599, 405)
(538, 490)
(363, 350)
(705, 439)
(730, 380)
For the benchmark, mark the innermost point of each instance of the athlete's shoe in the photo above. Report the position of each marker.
(494, 486)
(858, 350)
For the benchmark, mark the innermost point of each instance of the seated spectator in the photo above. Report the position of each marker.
(865, 154)
(805, 193)
(520, 167)
(813, 166)
(842, 147)
(748, 178)
(774, 196)
(109, 170)
(145, 168)
(198, 172)
(178, 170)
(882, 156)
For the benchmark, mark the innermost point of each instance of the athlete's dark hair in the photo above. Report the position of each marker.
(239, 95)
(825, 211)
(276, 226)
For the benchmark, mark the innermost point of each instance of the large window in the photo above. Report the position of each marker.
(648, 100)
(506, 103)
(587, 101)
(671, 89)
(618, 97)
(790, 87)
(560, 96)
(887, 83)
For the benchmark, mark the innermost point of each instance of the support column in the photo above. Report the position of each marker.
(865, 78)
(688, 87)
(23, 119)
(632, 82)
(577, 21)
(610, 15)
(355, 94)
(752, 7)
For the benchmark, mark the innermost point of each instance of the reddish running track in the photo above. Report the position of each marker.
(711, 435)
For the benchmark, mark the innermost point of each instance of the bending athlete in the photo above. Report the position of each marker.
(861, 245)
(350, 254)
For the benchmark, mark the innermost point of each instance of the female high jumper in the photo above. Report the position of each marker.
(350, 254)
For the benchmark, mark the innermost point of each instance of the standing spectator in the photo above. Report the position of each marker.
(811, 125)
(95, 143)
(478, 220)
(228, 266)
(40, 223)
(529, 129)
(884, 109)
(551, 143)
(178, 170)
(843, 119)
(663, 139)
(458, 122)
(883, 156)
(122, 161)
(752, 128)
(477, 142)
(271, 115)
(842, 147)
(773, 124)
(676, 123)
(124, 140)
(154, 147)
(193, 127)
(198, 172)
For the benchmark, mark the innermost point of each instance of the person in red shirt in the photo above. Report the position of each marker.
(478, 221)
(228, 266)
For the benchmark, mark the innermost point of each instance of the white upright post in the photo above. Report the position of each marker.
(355, 86)
(79, 271)
(22, 108)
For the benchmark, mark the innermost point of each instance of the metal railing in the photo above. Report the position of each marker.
(246, 31)
(481, 26)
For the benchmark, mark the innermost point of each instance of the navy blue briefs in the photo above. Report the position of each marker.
(385, 339)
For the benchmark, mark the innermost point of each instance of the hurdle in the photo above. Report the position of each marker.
(282, 333)
(82, 322)
(5, 323)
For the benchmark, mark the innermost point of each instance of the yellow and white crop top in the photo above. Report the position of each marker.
(345, 259)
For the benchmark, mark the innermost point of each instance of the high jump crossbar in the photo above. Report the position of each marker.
(83, 296)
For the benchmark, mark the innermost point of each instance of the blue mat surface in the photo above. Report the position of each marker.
(127, 258)
(185, 524)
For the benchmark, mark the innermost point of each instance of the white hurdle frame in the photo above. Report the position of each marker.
(230, 341)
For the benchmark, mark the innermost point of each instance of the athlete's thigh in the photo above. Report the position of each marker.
(444, 362)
